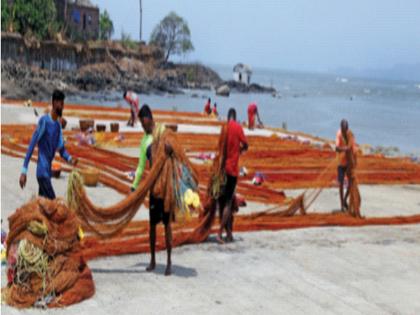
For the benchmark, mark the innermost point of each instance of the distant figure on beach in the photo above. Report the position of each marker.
(133, 100)
(157, 211)
(207, 107)
(345, 148)
(252, 112)
(49, 138)
(214, 112)
(236, 143)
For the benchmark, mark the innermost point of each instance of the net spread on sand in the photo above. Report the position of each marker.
(111, 221)
(52, 254)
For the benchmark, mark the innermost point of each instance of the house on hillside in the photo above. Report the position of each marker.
(242, 73)
(80, 17)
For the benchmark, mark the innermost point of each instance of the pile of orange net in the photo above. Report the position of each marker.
(45, 267)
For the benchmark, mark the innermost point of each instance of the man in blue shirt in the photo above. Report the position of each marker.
(49, 138)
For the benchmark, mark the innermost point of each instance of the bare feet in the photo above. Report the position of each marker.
(219, 239)
(151, 266)
(346, 206)
(168, 270)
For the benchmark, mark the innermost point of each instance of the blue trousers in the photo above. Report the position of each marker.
(45, 188)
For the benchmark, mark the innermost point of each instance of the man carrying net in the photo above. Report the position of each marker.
(157, 211)
(346, 156)
(236, 143)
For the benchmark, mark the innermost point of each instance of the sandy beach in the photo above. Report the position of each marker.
(329, 270)
(168, 126)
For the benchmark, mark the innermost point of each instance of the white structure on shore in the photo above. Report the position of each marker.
(242, 73)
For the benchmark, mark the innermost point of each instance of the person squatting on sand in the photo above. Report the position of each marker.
(346, 157)
(49, 138)
(252, 112)
(214, 111)
(236, 143)
(157, 211)
(133, 100)
(207, 107)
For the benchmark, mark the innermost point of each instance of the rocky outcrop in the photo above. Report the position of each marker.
(223, 90)
(240, 87)
(20, 80)
(23, 81)
(196, 76)
(33, 70)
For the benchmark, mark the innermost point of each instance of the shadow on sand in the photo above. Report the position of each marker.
(178, 271)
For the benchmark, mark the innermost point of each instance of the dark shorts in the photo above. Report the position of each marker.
(157, 211)
(229, 191)
(341, 173)
(45, 188)
(133, 112)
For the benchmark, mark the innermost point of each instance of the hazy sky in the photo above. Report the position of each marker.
(315, 35)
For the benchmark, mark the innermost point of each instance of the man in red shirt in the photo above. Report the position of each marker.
(236, 143)
(133, 100)
(207, 107)
(252, 112)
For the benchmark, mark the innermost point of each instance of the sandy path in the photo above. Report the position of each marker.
(320, 270)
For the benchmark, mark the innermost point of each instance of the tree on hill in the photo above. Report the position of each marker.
(35, 16)
(6, 16)
(173, 35)
(106, 27)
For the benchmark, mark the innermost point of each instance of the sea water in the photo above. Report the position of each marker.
(379, 112)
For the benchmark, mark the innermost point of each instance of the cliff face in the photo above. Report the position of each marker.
(34, 69)
(23, 81)
(64, 56)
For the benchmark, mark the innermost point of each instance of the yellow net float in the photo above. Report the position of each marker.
(196, 200)
(189, 197)
(81, 233)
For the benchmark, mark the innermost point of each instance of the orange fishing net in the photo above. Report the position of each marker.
(43, 251)
(355, 199)
(134, 238)
(109, 221)
(286, 163)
